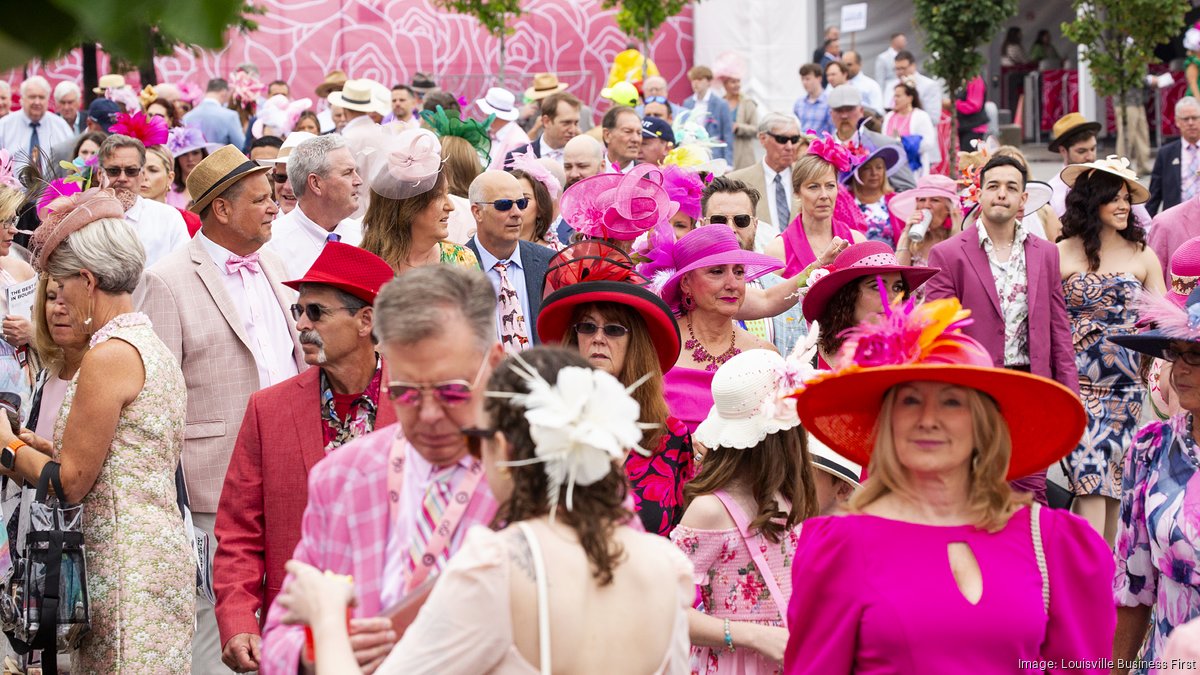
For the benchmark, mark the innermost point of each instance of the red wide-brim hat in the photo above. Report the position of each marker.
(348, 268)
(554, 318)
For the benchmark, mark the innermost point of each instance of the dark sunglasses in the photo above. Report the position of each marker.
(450, 393)
(507, 204)
(612, 330)
(314, 312)
(129, 171)
(656, 99)
(474, 439)
(279, 178)
(784, 140)
(1190, 358)
(740, 221)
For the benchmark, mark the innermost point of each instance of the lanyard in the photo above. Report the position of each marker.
(439, 539)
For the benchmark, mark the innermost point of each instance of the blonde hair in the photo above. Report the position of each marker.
(10, 202)
(990, 501)
(462, 164)
(47, 350)
(808, 168)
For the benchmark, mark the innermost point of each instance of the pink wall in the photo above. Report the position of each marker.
(300, 40)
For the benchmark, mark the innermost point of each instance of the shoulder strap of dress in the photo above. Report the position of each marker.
(751, 541)
(543, 598)
(1035, 527)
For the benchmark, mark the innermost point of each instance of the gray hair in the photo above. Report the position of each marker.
(36, 80)
(1186, 102)
(350, 302)
(65, 89)
(108, 248)
(416, 305)
(311, 157)
(773, 120)
(117, 141)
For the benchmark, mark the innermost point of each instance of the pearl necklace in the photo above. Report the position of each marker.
(701, 355)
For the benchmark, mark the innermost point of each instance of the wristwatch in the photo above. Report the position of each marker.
(8, 456)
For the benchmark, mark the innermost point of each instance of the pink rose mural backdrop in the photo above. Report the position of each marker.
(300, 41)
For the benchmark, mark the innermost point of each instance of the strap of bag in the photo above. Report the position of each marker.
(50, 478)
(47, 635)
(752, 543)
(1035, 526)
(539, 571)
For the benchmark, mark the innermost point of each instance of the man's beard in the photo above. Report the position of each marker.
(312, 337)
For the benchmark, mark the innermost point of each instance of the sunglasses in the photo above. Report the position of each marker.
(1190, 358)
(507, 204)
(612, 330)
(785, 139)
(314, 312)
(655, 99)
(129, 171)
(450, 393)
(740, 221)
(474, 438)
(279, 178)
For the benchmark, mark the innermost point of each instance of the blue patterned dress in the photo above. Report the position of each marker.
(1101, 305)
(1158, 543)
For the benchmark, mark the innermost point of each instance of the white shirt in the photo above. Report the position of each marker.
(16, 132)
(263, 318)
(700, 108)
(885, 65)
(769, 185)
(299, 240)
(549, 152)
(928, 90)
(159, 226)
(871, 93)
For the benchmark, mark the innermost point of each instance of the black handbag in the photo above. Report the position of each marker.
(1057, 496)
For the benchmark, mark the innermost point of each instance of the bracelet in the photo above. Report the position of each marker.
(728, 638)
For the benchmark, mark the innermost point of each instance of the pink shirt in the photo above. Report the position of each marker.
(53, 394)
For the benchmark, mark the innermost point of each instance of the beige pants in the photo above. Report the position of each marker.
(206, 645)
(1135, 145)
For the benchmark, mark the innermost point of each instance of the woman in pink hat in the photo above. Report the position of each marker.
(685, 188)
(1104, 262)
(931, 213)
(1185, 272)
(867, 182)
(617, 208)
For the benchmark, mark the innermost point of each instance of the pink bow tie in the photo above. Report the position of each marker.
(236, 263)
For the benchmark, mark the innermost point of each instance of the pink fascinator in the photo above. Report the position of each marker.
(72, 213)
(245, 89)
(125, 97)
(149, 130)
(827, 148)
(405, 164)
(7, 175)
(278, 115)
(527, 162)
(617, 206)
(685, 189)
(190, 93)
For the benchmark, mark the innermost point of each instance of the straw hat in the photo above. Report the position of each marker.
(110, 81)
(215, 173)
(544, 84)
(359, 95)
(749, 401)
(868, 258)
(334, 80)
(1113, 164)
(1067, 126)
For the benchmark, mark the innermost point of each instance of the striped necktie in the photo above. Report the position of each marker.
(1190, 180)
(782, 206)
(437, 498)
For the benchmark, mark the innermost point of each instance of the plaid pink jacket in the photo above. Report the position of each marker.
(344, 531)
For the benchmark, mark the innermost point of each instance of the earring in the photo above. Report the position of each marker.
(689, 303)
(974, 460)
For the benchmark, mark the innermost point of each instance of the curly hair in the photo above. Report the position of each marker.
(779, 465)
(597, 509)
(1082, 218)
(839, 315)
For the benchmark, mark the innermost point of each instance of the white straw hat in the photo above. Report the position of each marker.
(499, 102)
(749, 401)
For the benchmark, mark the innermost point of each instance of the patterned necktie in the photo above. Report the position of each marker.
(333, 236)
(34, 146)
(437, 498)
(514, 336)
(782, 208)
(1189, 173)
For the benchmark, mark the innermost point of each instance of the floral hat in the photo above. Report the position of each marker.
(685, 188)
(68, 214)
(750, 401)
(182, 140)
(1113, 164)
(149, 130)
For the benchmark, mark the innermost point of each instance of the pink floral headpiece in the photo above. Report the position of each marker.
(685, 189)
(527, 162)
(827, 148)
(190, 92)
(125, 97)
(245, 89)
(149, 130)
(7, 175)
(911, 333)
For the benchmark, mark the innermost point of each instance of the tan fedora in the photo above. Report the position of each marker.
(544, 84)
(215, 173)
(334, 80)
(110, 81)
(1067, 126)
(362, 96)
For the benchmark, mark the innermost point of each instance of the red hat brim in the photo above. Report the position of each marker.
(1045, 419)
(554, 317)
(347, 268)
(823, 289)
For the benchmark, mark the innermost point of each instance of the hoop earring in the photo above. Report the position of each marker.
(689, 303)
(975, 461)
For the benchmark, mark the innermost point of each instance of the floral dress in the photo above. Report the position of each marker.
(453, 254)
(731, 587)
(1158, 543)
(1100, 306)
(140, 565)
(657, 481)
(878, 219)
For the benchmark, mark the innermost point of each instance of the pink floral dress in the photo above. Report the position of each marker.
(731, 587)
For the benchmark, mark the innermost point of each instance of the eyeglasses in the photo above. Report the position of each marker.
(507, 204)
(314, 312)
(279, 178)
(656, 99)
(1190, 358)
(450, 393)
(130, 171)
(740, 221)
(612, 330)
(474, 438)
(784, 140)
(9, 223)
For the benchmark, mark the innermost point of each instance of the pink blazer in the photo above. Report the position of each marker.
(966, 275)
(345, 531)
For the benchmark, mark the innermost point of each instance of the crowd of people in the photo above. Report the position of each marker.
(451, 386)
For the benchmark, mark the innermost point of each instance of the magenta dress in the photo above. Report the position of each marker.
(872, 595)
(798, 253)
(688, 393)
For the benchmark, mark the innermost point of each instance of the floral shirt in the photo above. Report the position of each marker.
(1158, 541)
(878, 220)
(1012, 285)
(360, 420)
(657, 481)
(453, 254)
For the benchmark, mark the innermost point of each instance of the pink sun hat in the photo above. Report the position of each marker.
(1185, 271)
(941, 187)
(617, 206)
(708, 247)
(867, 258)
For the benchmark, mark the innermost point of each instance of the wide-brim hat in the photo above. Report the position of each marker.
(832, 463)
(1113, 164)
(890, 154)
(1185, 271)
(335, 79)
(215, 173)
(868, 258)
(1171, 319)
(937, 186)
(360, 96)
(544, 85)
(182, 140)
(289, 144)
(347, 268)
(617, 206)
(423, 82)
(749, 402)
(110, 81)
(1069, 125)
(499, 102)
(708, 247)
